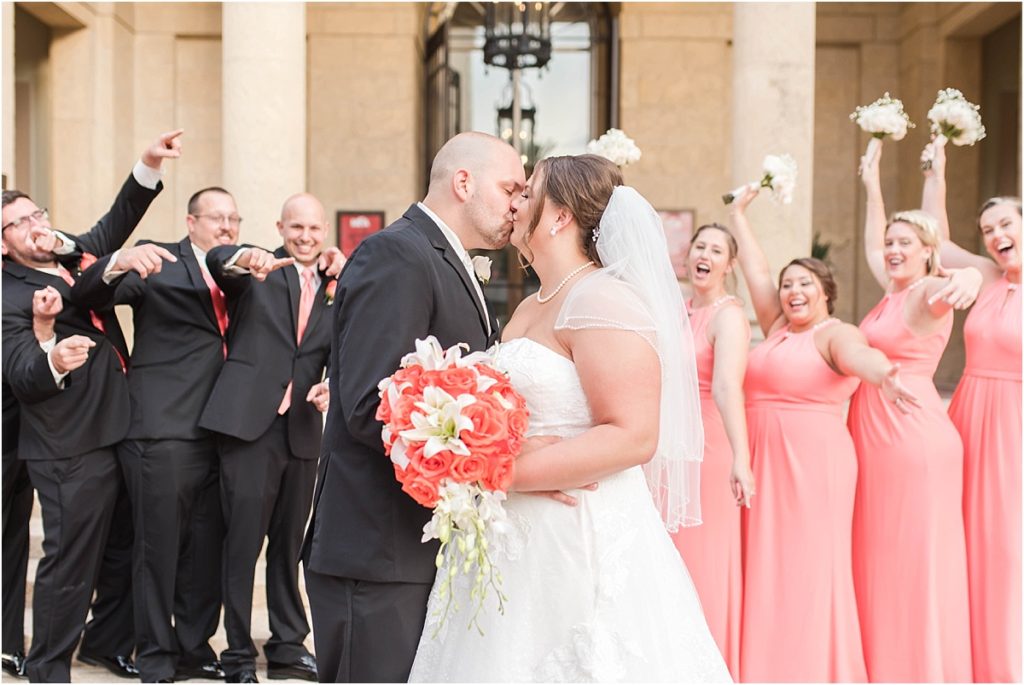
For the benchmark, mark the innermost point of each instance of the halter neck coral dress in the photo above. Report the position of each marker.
(986, 409)
(910, 561)
(712, 550)
(799, 610)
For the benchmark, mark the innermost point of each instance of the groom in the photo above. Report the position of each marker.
(367, 573)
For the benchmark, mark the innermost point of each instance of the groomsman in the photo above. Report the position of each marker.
(169, 461)
(367, 573)
(73, 402)
(266, 409)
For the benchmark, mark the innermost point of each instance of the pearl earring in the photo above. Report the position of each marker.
(553, 231)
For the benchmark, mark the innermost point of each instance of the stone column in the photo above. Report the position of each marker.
(8, 94)
(263, 111)
(773, 113)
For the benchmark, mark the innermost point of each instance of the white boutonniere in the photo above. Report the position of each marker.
(482, 268)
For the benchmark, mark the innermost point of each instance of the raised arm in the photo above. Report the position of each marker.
(933, 201)
(625, 402)
(852, 356)
(874, 218)
(731, 342)
(756, 271)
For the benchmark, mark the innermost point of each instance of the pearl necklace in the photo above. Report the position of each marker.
(565, 280)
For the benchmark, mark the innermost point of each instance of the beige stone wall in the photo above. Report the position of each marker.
(676, 95)
(365, 108)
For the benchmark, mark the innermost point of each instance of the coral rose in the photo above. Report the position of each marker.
(458, 381)
(467, 469)
(499, 476)
(421, 490)
(489, 426)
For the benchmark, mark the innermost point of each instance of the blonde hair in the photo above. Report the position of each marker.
(927, 230)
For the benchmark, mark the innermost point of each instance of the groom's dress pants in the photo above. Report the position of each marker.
(365, 632)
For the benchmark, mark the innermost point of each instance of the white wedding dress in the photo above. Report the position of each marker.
(596, 592)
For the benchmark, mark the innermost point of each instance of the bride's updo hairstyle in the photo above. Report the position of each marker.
(582, 184)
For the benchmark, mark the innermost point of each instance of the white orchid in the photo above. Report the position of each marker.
(482, 268)
(439, 422)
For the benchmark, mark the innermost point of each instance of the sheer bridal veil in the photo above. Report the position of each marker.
(632, 247)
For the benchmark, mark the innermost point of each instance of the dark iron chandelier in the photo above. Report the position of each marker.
(517, 35)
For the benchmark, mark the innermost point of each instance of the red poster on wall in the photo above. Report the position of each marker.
(354, 226)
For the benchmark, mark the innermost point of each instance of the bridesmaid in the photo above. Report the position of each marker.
(910, 560)
(722, 337)
(986, 410)
(799, 608)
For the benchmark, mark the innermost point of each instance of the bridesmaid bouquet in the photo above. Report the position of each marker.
(453, 426)
(883, 117)
(616, 146)
(954, 118)
(778, 175)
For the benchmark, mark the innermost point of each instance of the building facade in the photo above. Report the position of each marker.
(349, 100)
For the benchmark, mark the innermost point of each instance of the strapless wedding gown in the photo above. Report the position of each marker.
(596, 592)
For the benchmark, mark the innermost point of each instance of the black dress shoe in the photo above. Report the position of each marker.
(210, 671)
(121, 666)
(242, 677)
(304, 668)
(13, 664)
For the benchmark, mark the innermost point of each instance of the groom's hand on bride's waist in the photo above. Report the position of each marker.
(562, 497)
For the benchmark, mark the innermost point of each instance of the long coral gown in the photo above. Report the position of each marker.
(799, 610)
(910, 560)
(712, 550)
(986, 409)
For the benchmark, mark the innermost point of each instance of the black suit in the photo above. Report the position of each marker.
(267, 460)
(67, 438)
(367, 573)
(170, 463)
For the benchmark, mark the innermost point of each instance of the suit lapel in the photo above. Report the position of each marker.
(195, 274)
(441, 244)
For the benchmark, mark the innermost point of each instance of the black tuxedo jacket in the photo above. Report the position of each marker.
(92, 409)
(263, 356)
(178, 349)
(403, 283)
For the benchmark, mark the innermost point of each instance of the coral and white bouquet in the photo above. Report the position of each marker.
(883, 117)
(956, 119)
(453, 426)
(778, 175)
(616, 146)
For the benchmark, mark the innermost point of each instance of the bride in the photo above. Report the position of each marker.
(604, 357)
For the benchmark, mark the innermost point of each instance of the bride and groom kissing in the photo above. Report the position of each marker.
(604, 358)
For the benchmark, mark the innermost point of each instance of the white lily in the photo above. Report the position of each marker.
(440, 422)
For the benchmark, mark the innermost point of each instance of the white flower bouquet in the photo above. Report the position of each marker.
(616, 146)
(778, 175)
(954, 118)
(883, 117)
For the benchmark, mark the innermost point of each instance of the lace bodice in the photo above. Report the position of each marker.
(549, 384)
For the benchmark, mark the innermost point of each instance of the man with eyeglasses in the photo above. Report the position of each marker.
(170, 462)
(72, 399)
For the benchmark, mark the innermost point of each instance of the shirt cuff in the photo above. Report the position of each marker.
(229, 266)
(110, 274)
(147, 176)
(49, 344)
(58, 377)
(67, 245)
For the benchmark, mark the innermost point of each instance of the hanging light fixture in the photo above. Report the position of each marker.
(522, 140)
(517, 35)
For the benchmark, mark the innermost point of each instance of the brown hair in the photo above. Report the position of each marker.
(193, 202)
(824, 275)
(10, 196)
(734, 248)
(582, 184)
(989, 204)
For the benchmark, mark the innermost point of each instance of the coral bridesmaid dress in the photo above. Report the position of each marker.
(986, 409)
(711, 550)
(799, 609)
(910, 560)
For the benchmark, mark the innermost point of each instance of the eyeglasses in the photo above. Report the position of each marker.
(219, 219)
(38, 216)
